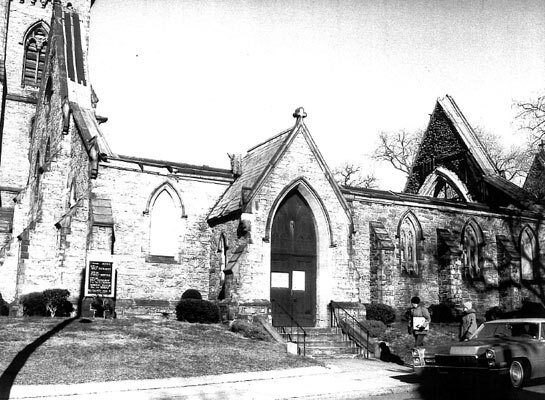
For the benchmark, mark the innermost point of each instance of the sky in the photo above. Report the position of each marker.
(192, 80)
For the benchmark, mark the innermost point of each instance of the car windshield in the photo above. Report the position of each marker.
(508, 329)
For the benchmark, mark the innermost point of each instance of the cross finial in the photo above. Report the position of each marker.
(300, 113)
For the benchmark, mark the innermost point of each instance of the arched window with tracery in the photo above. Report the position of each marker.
(35, 43)
(410, 237)
(472, 243)
(527, 254)
(165, 210)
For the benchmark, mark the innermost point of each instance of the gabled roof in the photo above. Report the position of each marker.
(257, 165)
(477, 171)
(467, 134)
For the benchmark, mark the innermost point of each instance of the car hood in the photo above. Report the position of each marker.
(472, 347)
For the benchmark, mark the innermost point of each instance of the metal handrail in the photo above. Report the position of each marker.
(352, 323)
(297, 327)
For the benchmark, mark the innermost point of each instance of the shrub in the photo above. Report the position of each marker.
(56, 302)
(380, 312)
(51, 302)
(249, 330)
(195, 310)
(375, 328)
(192, 294)
(33, 304)
(442, 313)
(4, 307)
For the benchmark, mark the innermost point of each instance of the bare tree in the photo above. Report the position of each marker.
(531, 115)
(513, 162)
(399, 148)
(350, 174)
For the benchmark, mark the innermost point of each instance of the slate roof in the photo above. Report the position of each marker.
(253, 164)
(259, 162)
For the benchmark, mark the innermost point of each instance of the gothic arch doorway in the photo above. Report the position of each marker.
(293, 262)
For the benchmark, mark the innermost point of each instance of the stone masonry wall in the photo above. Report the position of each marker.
(483, 294)
(334, 276)
(142, 280)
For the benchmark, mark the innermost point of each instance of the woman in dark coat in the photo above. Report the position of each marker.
(468, 326)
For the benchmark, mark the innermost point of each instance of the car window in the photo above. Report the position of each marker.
(542, 330)
(518, 329)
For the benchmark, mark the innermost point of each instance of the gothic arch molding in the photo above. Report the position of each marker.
(176, 197)
(442, 173)
(416, 223)
(315, 202)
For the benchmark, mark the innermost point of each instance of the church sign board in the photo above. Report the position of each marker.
(100, 279)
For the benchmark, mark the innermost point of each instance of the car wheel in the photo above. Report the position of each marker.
(518, 373)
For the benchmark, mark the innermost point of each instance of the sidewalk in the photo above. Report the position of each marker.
(339, 378)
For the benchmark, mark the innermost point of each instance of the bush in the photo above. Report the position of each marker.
(192, 294)
(442, 313)
(195, 310)
(375, 328)
(4, 307)
(56, 302)
(249, 330)
(380, 312)
(52, 302)
(33, 304)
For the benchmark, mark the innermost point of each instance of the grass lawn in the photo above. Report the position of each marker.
(401, 343)
(118, 349)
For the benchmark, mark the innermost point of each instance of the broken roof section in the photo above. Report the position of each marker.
(451, 143)
(257, 165)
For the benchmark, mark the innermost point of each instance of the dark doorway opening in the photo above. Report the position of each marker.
(293, 262)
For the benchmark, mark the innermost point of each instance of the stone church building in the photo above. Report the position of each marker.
(273, 234)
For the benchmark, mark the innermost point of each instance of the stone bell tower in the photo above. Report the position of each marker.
(24, 44)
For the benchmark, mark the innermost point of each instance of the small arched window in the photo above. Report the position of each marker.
(410, 236)
(164, 225)
(35, 43)
(527, 254)
(222, 255)
(472, 243)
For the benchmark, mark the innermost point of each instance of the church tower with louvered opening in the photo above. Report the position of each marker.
(24, 46)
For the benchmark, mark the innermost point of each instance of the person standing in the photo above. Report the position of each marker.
(468, 325)
(419, 321)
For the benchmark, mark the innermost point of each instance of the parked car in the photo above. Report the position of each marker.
(512, 350)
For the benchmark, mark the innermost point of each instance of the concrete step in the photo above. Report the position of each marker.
(331, 351)
(328, 343)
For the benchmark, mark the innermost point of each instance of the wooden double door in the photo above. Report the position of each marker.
(293, 263)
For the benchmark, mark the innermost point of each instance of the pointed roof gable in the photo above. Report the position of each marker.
(451, 143)
(536, 176)
(467, 134)
(257, 165)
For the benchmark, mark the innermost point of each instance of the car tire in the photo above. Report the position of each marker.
(518, 373)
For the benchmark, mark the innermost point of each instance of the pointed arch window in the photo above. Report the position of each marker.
(222, 255)
(527, 254)
(472, 243)
(165, 210)
(35, 43)
(410, 237)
